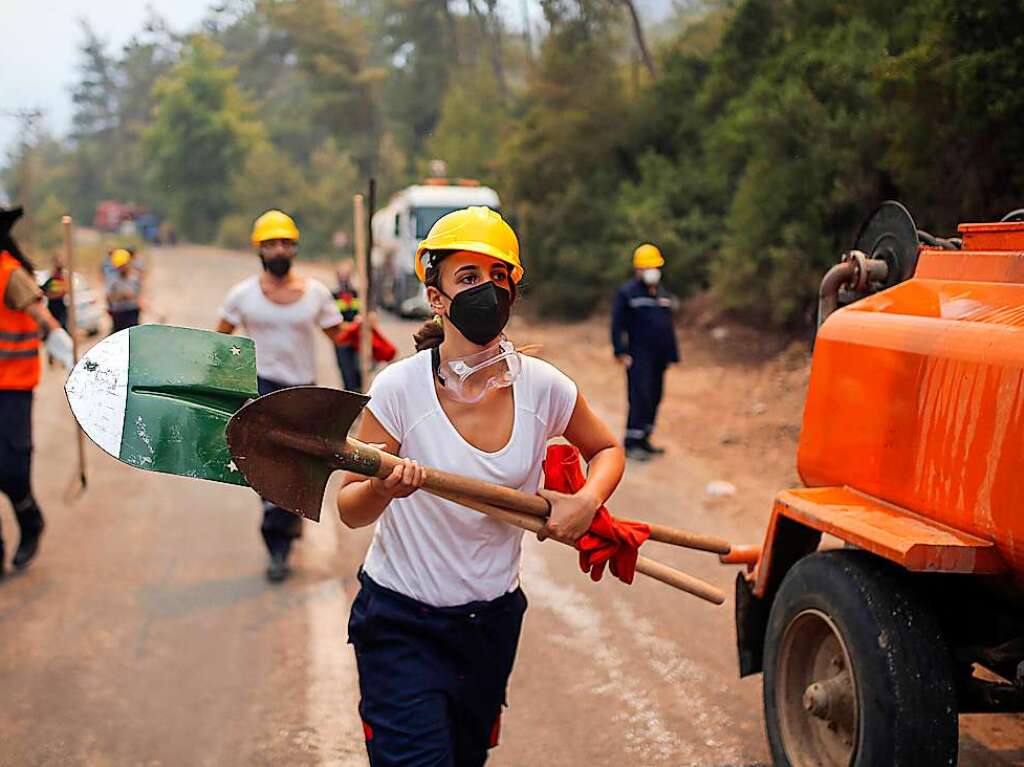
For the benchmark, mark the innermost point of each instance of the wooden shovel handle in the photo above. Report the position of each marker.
(514, 500)
(650, 568)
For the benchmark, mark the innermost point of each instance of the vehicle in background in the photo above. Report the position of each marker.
(910, 459)
(401, 224)
(88, 310)
(127, 220)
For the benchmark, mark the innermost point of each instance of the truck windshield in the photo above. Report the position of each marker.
(427, 217)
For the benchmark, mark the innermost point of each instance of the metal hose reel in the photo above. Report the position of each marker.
(890, 235)
(884, 254)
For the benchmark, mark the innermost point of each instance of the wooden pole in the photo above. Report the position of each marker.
(363, 270)
(69, 267)
(660, 572)
(371, 208)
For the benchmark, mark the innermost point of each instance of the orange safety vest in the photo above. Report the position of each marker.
(19, 337)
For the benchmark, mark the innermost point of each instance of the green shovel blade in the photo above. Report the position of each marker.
(159, 397)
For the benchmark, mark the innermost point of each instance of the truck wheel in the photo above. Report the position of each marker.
(856, 670)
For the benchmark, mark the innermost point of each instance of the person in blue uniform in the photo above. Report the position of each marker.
(644, 341)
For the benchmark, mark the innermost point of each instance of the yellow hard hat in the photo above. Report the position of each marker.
(477, 229)
(119, 257)
(274, 225)
(647, 256)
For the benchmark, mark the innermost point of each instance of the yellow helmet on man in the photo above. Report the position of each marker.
(274, 225)
(119, 257)
(477, 229)
(647, 256)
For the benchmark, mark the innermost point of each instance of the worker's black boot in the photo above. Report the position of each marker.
(635, 452)
(278, 568)
(645, 444)
(30, 519)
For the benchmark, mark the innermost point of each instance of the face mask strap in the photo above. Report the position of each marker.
(435, 363)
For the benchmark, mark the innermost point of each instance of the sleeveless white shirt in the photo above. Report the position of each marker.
(436, 551)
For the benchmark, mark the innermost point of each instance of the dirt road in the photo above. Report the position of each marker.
(146, 634)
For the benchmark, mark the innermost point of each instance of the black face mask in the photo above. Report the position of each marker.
(480, 313)
(278, 266)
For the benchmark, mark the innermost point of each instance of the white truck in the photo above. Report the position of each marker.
(402, 224)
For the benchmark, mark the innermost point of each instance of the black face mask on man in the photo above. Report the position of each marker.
(481, 312)
(278, 266)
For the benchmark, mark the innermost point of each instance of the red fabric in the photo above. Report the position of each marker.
(495, 732)
(609, 540)
(383, 349)
(367, 731)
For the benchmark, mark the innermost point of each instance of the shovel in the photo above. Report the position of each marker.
(288, 444)
(648, 567)
(159, 397)
(310, 424)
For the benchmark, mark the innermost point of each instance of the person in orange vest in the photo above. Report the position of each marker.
(23, 319)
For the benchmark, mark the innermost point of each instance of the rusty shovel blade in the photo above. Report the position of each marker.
(288, 443)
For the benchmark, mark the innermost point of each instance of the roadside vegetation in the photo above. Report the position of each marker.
(748, 139)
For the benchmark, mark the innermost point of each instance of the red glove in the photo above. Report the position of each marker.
(609, 540)
(383, 349)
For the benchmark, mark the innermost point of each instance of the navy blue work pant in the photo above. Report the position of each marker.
(645, 379)
(279, 526)
(16, 461)
(432, 680)
(122, 320)
(348, 364)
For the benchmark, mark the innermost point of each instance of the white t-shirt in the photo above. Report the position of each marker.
(436, 551)
(284, 333)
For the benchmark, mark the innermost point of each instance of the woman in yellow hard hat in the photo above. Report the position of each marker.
(644, 342)
(436, 623)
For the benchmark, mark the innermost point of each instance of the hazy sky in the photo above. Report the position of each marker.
(41, 38)
(39, 55)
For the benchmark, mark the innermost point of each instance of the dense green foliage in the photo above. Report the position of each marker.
(768, 129)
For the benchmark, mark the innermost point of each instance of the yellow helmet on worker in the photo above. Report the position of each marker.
(274, 225)
(647, 256)
(119, 257)
(477, 229)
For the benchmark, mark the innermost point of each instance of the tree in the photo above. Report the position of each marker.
(473, 122)
(199, 139)
(94, 125)
(331, 47)
(145, 58)
(561, 162)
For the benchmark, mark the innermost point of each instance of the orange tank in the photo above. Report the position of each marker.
(911, 455)
(916, 395)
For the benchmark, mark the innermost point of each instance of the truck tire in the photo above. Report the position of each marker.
(856, 670)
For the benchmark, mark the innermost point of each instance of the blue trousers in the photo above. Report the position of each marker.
(645, 379)
(432, 679)
(279, 526)
(348, 364)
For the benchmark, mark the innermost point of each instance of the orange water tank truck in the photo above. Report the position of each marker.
(888, 595)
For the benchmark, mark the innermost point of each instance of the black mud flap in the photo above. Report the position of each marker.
(751, 624)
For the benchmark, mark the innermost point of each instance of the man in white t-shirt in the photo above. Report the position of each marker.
(281, 311)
